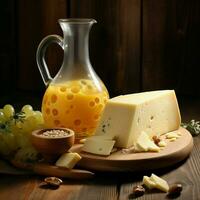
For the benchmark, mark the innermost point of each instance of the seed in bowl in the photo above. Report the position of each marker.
(55, 133)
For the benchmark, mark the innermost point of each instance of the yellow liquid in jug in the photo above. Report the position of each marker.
(74, 104)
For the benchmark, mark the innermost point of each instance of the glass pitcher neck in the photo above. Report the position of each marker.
(76, 40)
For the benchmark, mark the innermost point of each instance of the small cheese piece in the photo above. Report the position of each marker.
(144, 143)
(99, 147)
(155, 182)
(68, 160)
(162, 143)
(178, 133)
(172, 135)
(160, 183)
(126, 116)
(148, 182)
(172, 139)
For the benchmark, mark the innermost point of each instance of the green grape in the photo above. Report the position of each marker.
(2, 116)
(8, 111)
(39, 117)
(10, 141)
(19, 125)
(22, 140)
(15, 127)
(4, 150)
(27, 154)
(29, 124)
(28, 110)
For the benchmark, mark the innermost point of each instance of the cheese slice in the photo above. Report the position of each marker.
(68, 160)
(172, 135)
(160, 183)
(126, 116)
(144, 143)
(148, 182)
(99, 147)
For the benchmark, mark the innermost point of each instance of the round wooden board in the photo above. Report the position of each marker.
(173, 153)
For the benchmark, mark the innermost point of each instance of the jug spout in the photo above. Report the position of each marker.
(76, 40)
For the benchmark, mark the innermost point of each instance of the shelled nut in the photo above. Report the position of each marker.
(138, 191)
(175, 190)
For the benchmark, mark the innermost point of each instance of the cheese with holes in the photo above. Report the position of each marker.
(68, 160)
(98, 146)
(126, 116)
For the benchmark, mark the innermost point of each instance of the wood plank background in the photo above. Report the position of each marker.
(136, 45)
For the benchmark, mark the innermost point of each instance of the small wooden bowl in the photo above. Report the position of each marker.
(52, 147)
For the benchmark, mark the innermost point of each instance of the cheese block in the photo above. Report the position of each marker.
(126, 116)
(68, 160)
(144, 143)
(99, 147)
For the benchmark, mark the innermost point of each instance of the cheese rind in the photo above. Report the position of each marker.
(99, 147)
(125, 117)
(68, 160)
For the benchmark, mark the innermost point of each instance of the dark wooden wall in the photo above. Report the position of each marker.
(136, 45)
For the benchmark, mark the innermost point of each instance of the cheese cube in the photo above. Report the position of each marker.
(68, 160)
(126, 116)
(99, 147)
(160, 183)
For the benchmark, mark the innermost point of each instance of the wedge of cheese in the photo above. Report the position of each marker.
(126, 116)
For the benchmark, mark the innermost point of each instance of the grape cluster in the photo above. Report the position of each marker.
(15, 129)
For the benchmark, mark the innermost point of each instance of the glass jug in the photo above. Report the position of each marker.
(76, 97)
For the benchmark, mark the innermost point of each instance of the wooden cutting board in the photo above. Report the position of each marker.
(173, 153)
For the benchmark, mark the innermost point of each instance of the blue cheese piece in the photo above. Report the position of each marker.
(98, 146)
(126, 116)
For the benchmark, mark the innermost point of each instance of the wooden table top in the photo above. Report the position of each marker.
(112, 186)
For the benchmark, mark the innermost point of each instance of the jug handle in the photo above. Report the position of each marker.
(40, 56)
